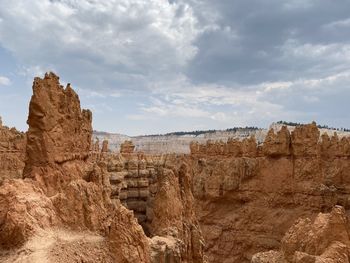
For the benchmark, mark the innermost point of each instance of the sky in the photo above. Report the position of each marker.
(156, 66)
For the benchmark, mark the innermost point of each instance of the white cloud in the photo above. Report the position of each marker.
(127, 42)
(276, 85)
(311, 99)
(203, 62)
(298, 4)
(4, 81)
(115, 94)
(168, 108)
(334, 52)
(136, 117)
(316, 85)
(245, 105)
(339, 23)
(100, 108)
(224, 105)
(94, 94)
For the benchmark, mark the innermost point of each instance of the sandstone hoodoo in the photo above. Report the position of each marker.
(127, 147)
(59, 134)
(104, 146)
(66, 200)
(61, 191)
(64, 197)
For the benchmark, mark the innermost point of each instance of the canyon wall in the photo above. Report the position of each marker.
(63, 193)
(245, 195)
(228, 201)
(248, 196)
(179, 143)
(70, 199)
(165, 144)
(324, 239)
(12, 152)
(159, 194)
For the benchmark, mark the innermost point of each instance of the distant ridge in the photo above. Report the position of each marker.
(289, 123)
(199, 132)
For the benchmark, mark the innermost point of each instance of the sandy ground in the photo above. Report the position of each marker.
(60, 246)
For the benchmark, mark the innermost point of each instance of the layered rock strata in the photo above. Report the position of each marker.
(240, 195)
(127, 147)
(159, 194)
(72, 187)
(12, 152)
(61, 189)
(248, 196)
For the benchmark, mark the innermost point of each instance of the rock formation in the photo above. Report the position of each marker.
(159, 194)
(59, 135)
(277, 144)
(69, 191)
(104, 146)
(246, 199)
(127, 147)
(61, 189)
(286, 200)
(177, 143)
(12, 151)
(325, 239)
(59, 130)
(96, 146)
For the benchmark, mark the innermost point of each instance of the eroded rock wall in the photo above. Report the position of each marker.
(62, 190)
(70, 185)
(12, 152)
(324, 239)
(227, 200)
(244, 196)
(248, 196)
(157, 188)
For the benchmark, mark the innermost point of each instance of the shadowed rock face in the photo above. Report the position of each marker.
(158, 191)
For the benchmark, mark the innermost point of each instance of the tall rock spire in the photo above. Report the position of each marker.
(59, 130)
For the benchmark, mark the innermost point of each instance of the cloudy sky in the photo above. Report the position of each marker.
(154, 66)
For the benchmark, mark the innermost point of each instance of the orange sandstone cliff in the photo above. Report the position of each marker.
(324, 239)
(78, 205)
(248, 196)
(12, 152)
(64, 201)
(157, 188)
